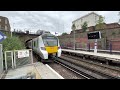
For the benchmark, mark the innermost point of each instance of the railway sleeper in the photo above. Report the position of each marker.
(84, 57)
(87, 56)
(111, 61)
(91, 57)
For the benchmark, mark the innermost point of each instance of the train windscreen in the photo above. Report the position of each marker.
(50, 41)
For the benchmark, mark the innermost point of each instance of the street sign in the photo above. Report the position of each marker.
(2, 37)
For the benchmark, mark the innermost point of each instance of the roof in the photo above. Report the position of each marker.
(87, 15)
(3, 17)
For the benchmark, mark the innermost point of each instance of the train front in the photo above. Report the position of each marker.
(52, 45)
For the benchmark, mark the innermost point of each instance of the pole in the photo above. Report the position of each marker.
(74, 39)
(89, 46)
(13, 29)
(95, 46)
(11, 33)
(110, 47)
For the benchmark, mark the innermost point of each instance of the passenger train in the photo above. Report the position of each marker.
(45, 46)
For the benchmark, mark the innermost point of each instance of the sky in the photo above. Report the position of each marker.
(53, 21)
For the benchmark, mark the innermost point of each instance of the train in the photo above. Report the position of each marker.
(45, 46)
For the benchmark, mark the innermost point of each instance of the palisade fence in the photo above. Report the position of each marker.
(18, 58)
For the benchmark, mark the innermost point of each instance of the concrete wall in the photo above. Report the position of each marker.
(91, 19)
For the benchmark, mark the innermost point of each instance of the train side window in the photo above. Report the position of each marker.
(37, 43)
(34, 43)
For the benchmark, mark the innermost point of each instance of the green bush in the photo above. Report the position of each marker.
(12, 43)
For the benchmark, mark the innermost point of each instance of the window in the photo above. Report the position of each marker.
(5, 27)
(0, 26)
(81, 19)
(5, 21)
(50, 41)
(34, 43)
(0, 20)
(37, 43)
(95, 18)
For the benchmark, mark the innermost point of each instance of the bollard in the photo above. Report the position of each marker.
(89, 47)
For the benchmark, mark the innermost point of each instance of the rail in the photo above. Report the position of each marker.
(88, 72)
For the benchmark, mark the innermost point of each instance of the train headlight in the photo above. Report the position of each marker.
(43, 48)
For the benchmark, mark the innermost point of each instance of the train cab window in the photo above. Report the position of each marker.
(50, 41)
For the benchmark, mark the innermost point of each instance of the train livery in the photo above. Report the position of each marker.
(45, 46)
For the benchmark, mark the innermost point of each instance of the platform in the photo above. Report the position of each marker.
(102, 55)
(40, 71)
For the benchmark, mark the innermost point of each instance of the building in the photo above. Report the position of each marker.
(4, 23)
(90, 18)
(108, 26)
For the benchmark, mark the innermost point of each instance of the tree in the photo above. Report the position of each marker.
(73, 27)
(64, 33)
(100, 23)
(12, 43)
(84, 26)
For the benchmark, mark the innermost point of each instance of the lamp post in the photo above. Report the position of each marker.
(73, 28)
(13, 29)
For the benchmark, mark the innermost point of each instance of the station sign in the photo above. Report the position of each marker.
(23, 53)
(2, 36)
(94, 35)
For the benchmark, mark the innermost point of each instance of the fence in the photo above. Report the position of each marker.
(1, 60)
(18, 58)
(9, 60)
(115, 45)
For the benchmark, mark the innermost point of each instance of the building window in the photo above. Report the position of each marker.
(5, 27)
(5, 21)
(0, 26)
(81, 19)
(0, 20)
(95, 18)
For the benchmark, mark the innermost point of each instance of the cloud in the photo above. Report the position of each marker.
(53, 21)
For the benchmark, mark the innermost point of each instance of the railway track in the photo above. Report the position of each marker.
(71, 68)
(117, 69)
(84, 71)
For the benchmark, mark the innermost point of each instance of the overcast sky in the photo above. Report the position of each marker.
(53, 21)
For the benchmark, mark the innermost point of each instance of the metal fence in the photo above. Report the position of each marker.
(18, 58)
(1, 60)
(9, 60)
(22, 60)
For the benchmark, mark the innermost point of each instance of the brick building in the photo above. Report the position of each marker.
(4, 23)
(110, 34)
